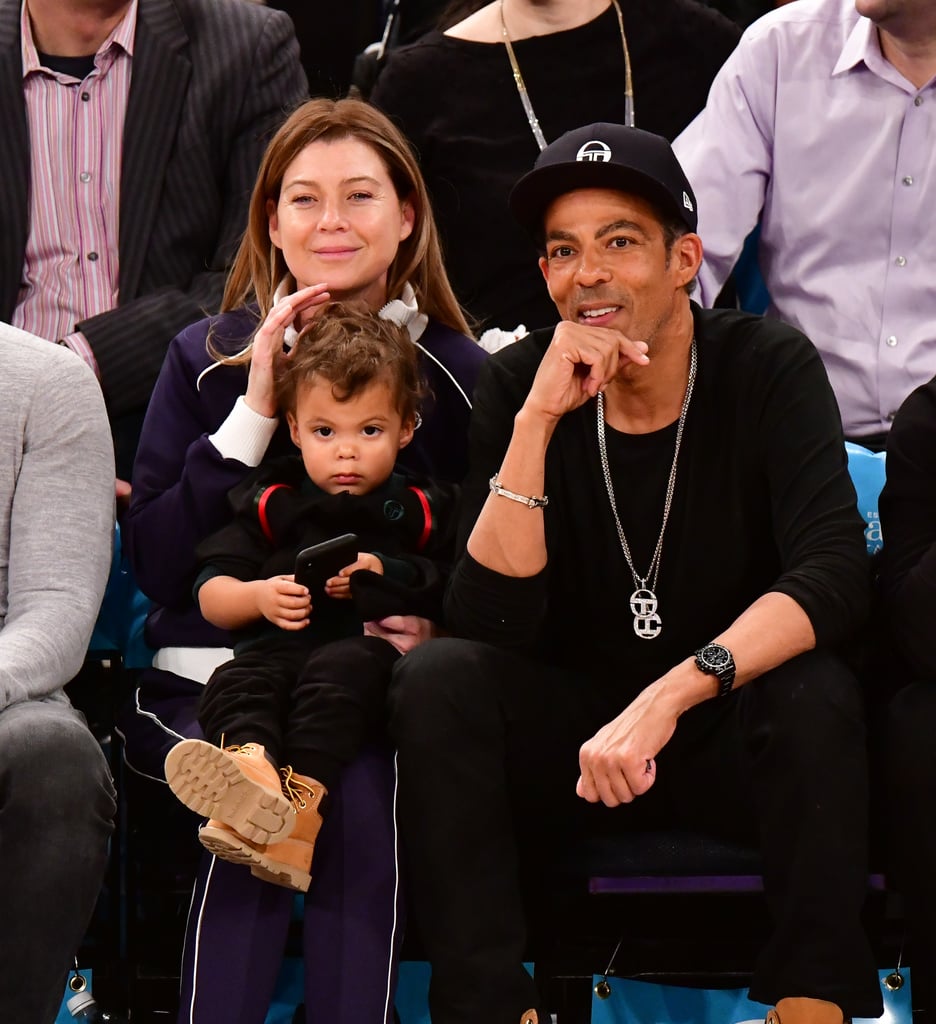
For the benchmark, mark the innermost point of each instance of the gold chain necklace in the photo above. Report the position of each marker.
(525, 98)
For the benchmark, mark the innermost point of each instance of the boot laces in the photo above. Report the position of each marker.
(249, 749)
(295, 789)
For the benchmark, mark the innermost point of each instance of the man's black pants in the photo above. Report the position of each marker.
(910, 801)
(313, 709)
(488, 760)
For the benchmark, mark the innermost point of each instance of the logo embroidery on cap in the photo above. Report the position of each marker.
(687, 202)
(595, 152)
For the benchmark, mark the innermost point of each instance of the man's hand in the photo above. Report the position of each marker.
(340, 586)
(284, 602)
(403, 631)
(267, 350)
(617, 763)
(579, 362)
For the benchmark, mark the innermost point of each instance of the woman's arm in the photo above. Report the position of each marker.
(181, 480)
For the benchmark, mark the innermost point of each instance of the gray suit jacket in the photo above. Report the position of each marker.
(211, 80)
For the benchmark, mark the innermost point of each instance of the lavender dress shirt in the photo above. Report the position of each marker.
(811, 131)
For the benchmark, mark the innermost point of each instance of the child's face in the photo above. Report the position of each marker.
(352, 445)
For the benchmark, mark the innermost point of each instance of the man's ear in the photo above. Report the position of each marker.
(687, 257)
(293, 428)
(544, 269)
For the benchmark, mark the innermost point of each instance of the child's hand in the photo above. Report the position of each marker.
(340, 586)
(284, 602)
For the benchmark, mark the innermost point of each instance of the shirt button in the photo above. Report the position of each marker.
(901, 261)
(93, 256)
(86, 96)
(891, 341)
(84, 176)
(918, 101)
(908, 180)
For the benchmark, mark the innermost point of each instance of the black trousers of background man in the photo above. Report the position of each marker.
(311, 709)
(909, 801)
(488, 752)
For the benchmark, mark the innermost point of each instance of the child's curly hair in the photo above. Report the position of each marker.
(353, 348)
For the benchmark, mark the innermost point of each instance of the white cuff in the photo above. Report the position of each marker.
(245, 435)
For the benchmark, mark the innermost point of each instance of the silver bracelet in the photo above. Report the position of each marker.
(501, 491)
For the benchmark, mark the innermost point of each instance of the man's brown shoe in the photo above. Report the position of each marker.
(237, 786)
(530, 1017)
(800, 1010)
(289, 863)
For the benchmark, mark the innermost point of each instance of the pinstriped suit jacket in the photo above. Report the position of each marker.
(211, 79)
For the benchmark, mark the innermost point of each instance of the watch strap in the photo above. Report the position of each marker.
(725, 674)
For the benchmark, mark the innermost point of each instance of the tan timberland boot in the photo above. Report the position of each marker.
(224, 842)
(237, 786)
(289, 863)
(800, 1010)
(530, 1017)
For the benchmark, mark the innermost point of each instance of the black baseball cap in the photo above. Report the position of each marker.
(604, 156)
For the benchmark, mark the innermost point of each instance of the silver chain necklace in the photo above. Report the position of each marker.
(643, 601)
(525, 98)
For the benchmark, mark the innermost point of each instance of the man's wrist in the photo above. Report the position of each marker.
(534, 426)
(686, 685)
(80, 345)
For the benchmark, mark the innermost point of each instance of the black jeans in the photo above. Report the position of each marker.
(488, 754)
(312, 709)
(910, 801)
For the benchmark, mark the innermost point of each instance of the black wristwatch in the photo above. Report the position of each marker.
(715, 660)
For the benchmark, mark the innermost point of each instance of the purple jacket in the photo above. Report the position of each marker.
(181, 481)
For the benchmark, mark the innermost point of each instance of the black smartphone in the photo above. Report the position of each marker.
(317, 564)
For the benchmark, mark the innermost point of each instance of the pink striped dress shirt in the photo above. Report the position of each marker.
(75, 131)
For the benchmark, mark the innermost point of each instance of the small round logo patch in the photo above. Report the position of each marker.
(595, 152)
(392, 510)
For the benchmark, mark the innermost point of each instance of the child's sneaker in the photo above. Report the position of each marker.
(237, 786)
(289, 863)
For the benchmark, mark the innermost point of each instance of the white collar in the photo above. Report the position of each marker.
(403, 311)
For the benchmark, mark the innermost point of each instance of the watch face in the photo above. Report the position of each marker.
(716, 656)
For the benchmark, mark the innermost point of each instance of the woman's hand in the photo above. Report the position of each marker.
(340, 586)
(267, 348)
(403, 631)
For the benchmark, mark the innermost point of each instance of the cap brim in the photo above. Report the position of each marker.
(533, 193)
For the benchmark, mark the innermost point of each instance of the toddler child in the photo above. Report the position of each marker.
(306, 689)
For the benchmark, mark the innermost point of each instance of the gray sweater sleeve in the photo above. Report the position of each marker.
(56, 514)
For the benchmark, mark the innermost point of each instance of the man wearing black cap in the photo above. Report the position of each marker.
(658, 513)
